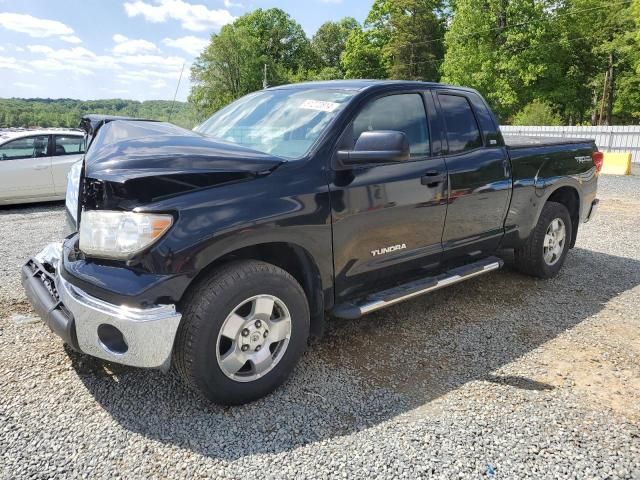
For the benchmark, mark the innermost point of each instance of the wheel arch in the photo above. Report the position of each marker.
(569, 196)
(292, 258)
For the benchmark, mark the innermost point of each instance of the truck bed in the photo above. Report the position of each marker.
(523, 141)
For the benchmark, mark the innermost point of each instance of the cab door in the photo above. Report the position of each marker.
(25, 168)
(388, 218)
(479, 179)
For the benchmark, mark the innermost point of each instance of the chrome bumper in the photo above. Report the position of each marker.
(121, 334)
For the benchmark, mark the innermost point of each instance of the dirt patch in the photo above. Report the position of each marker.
(605, 373)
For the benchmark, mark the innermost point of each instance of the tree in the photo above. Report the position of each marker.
(362, 57)
(281, 40)
(233, 63)
(411, 32)
(501, 47)
(537, 113)
(330, 41)
(229, 67)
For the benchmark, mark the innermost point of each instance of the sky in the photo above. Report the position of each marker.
(134, 49)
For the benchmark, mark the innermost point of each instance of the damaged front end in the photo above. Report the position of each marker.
(133, 162)
(98, 301)
(131, 336)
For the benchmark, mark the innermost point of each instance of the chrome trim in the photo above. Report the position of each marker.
(148, 332)
(445, 282)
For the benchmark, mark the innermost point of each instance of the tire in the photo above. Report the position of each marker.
(233, 303)
(532, 257)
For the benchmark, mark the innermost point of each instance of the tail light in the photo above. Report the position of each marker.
(598, 159)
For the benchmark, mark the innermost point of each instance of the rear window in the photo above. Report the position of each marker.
(69, 145)
(462, 129)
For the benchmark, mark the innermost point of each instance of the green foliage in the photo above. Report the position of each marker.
(331, 39)
(362, 57)
(233, 63)
(66, 112)
(537, 113)
(411, 32)
(569, 61)
(515, 51)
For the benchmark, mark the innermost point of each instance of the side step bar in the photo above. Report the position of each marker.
(409, 290)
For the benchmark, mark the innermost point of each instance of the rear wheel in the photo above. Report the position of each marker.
(544, 252)
(243, 330)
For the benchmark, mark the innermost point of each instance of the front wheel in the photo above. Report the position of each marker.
(243, 331)
(544, 252)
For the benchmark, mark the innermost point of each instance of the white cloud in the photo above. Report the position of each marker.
(190, 44)
(128, 46)
(231, 4)
(71, 39)
(1, 48)
(37, 27)
(10, 63)
(194, 17)
(159, 84)
(24, 85)
(76, 59)
(34, 27)
(84, 61)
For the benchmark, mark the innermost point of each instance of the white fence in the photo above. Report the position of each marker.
(608, 139)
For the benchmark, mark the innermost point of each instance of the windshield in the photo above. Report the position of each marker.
(283, 122)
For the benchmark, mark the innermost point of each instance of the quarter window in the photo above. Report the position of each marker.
(462, 129)
(69, 145)
(27, 147)
(403, 113)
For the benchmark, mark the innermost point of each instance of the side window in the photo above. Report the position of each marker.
(27, 147)
(70, 145)
(462, 129)
(404, 113)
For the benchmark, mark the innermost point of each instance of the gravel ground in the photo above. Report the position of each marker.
(503, 376)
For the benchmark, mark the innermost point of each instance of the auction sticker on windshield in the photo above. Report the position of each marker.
(319, 105)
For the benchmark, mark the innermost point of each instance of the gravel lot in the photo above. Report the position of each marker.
(503, 376)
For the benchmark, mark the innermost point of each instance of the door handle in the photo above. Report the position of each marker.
(40, 167)
(433, 178)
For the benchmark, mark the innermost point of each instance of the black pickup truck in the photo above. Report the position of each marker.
(221, 250)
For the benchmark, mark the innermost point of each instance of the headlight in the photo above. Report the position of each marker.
(120, 235)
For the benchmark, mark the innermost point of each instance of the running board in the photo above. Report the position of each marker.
(410, 290)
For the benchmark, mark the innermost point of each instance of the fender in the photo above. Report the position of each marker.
(536, 178)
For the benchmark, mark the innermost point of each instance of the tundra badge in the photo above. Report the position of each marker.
(392, 248)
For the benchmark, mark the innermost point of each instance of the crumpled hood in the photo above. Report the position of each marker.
(123, 150)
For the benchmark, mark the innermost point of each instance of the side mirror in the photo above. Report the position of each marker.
(377, 146)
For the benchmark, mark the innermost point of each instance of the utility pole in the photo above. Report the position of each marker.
(264, 77)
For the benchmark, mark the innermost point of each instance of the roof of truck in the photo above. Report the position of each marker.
(361, 84)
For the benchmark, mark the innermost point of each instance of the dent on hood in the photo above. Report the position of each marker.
(132, 163)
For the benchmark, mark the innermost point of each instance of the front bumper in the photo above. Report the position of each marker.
(140, 337)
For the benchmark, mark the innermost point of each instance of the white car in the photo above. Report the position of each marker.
(34, 164)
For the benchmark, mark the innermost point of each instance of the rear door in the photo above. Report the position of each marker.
(479, 178)
(387, 221)
(67, 150)
(25, 168)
